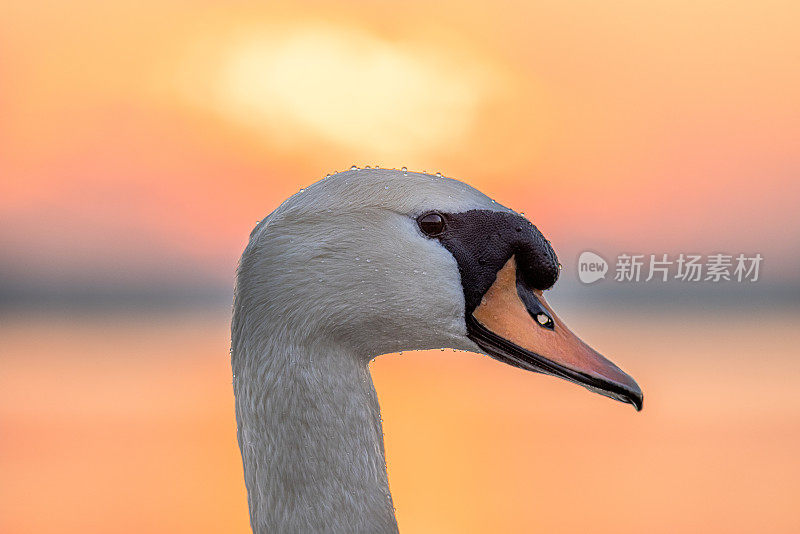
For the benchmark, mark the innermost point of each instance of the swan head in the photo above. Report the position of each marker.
(378, 261)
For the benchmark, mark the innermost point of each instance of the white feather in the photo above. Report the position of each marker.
(336, 275)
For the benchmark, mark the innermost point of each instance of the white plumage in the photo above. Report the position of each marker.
(336, 275)
(357, 265)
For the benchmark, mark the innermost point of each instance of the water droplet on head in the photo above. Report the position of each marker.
(354, 168)
(367, 167)
(405, 170)
(438, 175)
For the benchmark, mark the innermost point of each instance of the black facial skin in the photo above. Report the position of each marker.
(482, 241)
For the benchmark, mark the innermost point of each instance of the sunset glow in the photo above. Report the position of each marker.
(174, 112)
(348, 88)
(140, 141)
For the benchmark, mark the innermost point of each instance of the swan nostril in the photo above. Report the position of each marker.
(544, 320)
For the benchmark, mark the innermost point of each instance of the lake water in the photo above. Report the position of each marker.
(123, 422)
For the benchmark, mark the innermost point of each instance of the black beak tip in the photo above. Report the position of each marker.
(638, 403)
(627, 395)
(627, 390)
(636, 398)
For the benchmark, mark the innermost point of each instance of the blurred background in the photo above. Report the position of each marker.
(141, 141)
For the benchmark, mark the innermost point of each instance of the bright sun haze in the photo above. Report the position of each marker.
(141, 141)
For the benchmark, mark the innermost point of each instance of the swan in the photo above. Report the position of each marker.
(363, 263)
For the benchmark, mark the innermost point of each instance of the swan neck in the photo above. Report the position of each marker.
(310, 434)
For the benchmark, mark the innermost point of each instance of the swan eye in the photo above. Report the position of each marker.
(431, 223)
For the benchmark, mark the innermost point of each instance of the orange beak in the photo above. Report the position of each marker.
(514, 324)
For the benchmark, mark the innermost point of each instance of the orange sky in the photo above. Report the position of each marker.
(141, 140)
(148, 137)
